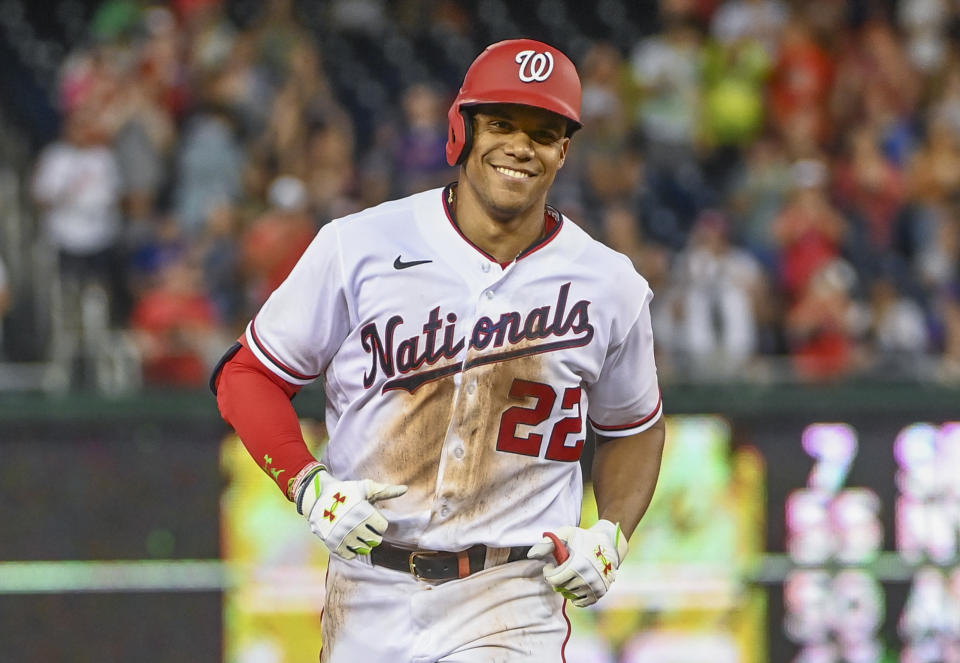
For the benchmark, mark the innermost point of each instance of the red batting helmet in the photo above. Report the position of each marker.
(515, 71)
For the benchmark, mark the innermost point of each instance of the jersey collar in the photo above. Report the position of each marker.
(552, 221)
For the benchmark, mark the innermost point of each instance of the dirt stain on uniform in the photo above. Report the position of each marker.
(411, 443)
(340, 592)
(484, 472)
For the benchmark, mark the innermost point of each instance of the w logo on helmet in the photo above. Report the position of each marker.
(535, 66)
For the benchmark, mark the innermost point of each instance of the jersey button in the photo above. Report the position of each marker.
(444, 511)
(472, 387)
(489, 294)
(458, 452)
(485, 267)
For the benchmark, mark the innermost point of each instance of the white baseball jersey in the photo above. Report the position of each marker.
(466, 380)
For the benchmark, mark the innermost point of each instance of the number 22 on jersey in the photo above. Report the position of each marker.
(544, 397)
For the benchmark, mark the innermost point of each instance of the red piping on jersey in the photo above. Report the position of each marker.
(283, 367)
(326, 579)
(551, 227)
(647, 418)
(552, 221)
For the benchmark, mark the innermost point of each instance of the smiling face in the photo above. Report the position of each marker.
(516, 153)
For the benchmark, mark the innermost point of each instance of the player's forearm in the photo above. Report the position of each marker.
(260, 411)
(625, 471)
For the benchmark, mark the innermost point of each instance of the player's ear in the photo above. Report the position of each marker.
(564, 146)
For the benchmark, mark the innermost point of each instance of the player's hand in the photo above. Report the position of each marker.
(342, 514)
(587, 560)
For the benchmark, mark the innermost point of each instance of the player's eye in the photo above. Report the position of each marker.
(500, 125)
(546, 137)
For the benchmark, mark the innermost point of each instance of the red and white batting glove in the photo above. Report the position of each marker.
(587, 560)
(342, 514)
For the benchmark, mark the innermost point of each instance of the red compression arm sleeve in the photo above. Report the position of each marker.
(257, 404)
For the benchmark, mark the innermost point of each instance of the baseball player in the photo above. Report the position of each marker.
(466, 336)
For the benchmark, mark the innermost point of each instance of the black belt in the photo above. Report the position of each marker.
(437, 565)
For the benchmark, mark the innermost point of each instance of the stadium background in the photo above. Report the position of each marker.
(786, 174)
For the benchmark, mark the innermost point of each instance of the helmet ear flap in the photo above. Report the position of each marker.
(461, 135)
(467, 136)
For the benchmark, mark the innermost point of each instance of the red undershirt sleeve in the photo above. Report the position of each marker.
(257, 404)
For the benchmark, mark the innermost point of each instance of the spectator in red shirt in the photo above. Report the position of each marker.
(800, 81)
(824, 327)
(277, 239)
(175, 327)
(869, 188)
(809, 231)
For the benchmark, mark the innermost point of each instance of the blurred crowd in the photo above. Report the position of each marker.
(785, 174)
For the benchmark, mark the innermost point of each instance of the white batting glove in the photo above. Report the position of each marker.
(587, 560)
(342, 514)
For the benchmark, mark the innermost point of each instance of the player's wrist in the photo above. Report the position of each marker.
(618, 541)
(297, 486)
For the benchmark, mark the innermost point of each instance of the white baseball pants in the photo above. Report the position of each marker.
(504, 614)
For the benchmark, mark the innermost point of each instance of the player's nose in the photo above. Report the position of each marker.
(519, 145)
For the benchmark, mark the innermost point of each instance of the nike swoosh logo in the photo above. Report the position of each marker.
(400, 264)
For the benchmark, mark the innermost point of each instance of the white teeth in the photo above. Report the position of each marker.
(509, 172)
